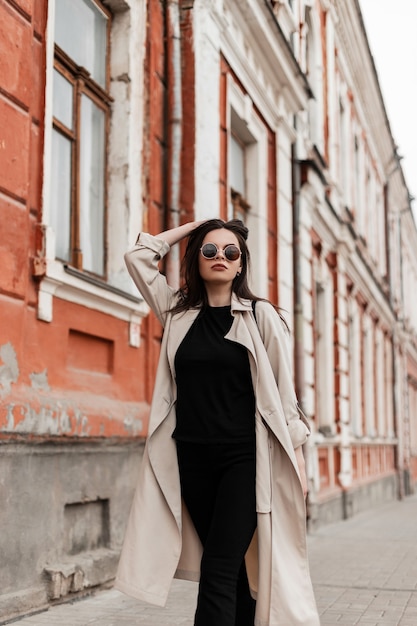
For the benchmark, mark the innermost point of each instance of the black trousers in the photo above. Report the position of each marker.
(218, 488)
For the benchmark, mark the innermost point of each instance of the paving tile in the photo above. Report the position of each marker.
(364, 571)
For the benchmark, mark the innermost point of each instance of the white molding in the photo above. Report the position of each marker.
(59, 284)
(286, 17)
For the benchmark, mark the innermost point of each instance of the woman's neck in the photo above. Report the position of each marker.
(218, 295)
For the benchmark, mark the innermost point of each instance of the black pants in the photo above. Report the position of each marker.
(218, 487)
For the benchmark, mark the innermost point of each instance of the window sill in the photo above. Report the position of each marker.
(67, 283)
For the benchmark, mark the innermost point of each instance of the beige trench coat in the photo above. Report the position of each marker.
(160, 541)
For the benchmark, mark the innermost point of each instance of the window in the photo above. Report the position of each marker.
(357, 176)
(238, 191)
(368, 339)
(343, 168)
(412, 395)
(355, 371)
(313, 62)
(324, 367)
(89, 191)
(80, 124)
(250, 193)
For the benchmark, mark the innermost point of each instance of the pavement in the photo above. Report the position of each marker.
(364, 571)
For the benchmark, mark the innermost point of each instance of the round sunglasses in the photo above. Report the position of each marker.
(210, 251)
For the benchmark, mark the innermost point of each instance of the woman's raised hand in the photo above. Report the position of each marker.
(174, 235)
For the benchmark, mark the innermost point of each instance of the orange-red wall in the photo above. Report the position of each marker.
(22, 87)
(77, 375)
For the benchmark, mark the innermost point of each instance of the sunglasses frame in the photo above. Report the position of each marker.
(229, 245)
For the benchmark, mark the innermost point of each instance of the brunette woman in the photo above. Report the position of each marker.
(221, 490)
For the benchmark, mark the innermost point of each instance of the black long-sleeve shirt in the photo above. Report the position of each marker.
(215, 397)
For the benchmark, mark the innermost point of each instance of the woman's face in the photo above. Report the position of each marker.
(219, 269)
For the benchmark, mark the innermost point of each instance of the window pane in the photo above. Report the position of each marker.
(92, 178)
(80, 30)
(62, 99)
(237, 166)
(61, 194)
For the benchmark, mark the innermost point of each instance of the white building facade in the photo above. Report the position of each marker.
(306, 147)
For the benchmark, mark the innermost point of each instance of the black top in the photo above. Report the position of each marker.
(215, 397)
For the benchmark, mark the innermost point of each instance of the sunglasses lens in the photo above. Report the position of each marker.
(209, 250)
(232, 253)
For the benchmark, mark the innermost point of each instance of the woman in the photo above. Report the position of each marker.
(222, 484)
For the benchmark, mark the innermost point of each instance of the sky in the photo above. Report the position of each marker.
(391, 29)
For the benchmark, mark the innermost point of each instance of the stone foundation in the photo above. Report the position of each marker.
(347, 504)
(63, 515)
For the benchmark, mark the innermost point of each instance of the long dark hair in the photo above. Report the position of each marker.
(193, 292)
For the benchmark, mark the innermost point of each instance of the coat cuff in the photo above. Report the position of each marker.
(145, 240)
(299, 429)
(299, 433)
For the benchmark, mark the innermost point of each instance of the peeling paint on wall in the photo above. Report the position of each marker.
(25, 419)
(133, 424)
(10, 418)
(9, 370)
(40, 380)
(39, 411)
(78, 415)
(45, 421)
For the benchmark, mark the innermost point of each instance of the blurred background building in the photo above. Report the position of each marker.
(122, 115)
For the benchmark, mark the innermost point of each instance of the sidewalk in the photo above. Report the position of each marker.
(364, 571)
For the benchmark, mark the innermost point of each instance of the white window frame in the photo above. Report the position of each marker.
(369, 377)
(118, 296)
(388, 386)
(355, 392)
(256, 153)
(380, 367)
(324, 348)
(314, 63)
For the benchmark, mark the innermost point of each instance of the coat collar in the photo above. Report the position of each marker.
(238, 304)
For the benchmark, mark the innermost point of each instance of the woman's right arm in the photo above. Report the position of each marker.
(142, 262)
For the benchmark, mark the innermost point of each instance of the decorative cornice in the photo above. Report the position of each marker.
(255, 46)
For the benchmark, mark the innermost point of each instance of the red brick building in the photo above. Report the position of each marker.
(76, 361)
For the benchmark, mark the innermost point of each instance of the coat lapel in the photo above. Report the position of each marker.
(239, 332)
(179, 325)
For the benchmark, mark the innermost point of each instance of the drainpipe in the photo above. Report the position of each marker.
(400, 413)
(393, 340)
(298, 305)
(174, 132)
(387, 243)
(396, 383)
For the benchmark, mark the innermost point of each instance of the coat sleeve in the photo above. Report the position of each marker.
(275, 337)
(142, 262)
